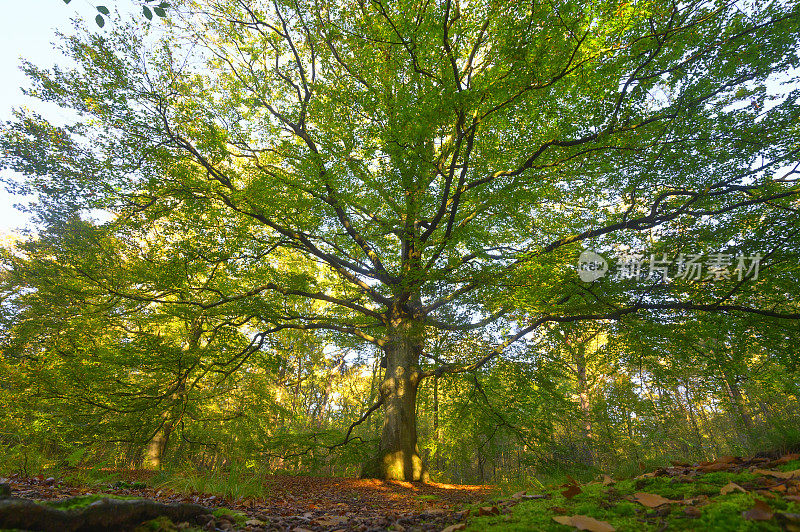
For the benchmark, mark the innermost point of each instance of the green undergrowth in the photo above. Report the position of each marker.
(609, 503)
(228, 486)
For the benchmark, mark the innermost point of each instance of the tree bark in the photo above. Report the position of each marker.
(157, 446)
(398, 455)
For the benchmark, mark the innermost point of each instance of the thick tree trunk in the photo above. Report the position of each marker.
(155, 449)
(398, 456)
(157, 446)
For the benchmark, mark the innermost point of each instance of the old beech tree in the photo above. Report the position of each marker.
(441, 163)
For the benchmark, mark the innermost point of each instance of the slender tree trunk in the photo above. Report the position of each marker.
(436, 435)
(398, 455)
(735, 395)
(587, 437)
(688, 414)
(323, 409)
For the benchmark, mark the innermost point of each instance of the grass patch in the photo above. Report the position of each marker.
(221, 485)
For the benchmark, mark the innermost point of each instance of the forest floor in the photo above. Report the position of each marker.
(295, 503)
(727, 494)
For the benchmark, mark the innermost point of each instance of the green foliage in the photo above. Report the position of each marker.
(319, 186)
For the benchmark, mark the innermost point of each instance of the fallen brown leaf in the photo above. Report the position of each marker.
(607, 480)
(455, 527)
(583, 522)
(779, 474)
(488, 510)
(759, 512)
(571, 491)
(716, 466)
(650, 500)
(731, 487)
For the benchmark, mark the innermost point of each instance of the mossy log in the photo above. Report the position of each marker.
(101, 515)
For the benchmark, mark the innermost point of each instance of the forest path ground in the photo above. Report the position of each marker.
(296, 502)
(727, 494)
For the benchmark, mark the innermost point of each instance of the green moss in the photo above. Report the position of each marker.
(237, 517)
(608, 503)
(84, 500)
(159, 524)
(627, 509)
(725, 513)
(790, 466)
(722, 477)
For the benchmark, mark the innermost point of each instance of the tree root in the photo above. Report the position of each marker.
(101, 515)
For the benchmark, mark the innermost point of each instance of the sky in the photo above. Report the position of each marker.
(28, 29)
